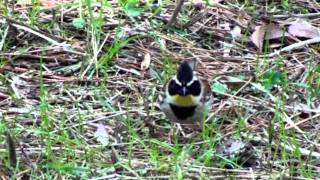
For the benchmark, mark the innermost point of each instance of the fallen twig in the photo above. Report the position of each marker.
(175, 14)
(295, 46)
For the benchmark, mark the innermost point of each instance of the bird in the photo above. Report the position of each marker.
(186, 98)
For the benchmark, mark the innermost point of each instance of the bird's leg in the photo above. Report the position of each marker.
(195, 129)
(173, 134)
(179, 128)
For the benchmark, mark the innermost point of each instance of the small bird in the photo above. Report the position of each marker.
(185, 100)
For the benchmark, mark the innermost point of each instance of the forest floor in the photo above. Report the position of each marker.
(79, 86)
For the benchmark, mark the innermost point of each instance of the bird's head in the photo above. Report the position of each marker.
(185, 83)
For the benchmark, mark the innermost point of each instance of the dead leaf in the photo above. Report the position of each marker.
(23, 110)
(236, 33)
(146, 62)
(257, 36)
(303, 29)
(234, 146)
(243, 18)
(48, 4)
(24, 2)
(198, 4)
(275, 31)
(267, 32)
(16, 84)
(80, 45)
(102, 134)
(213, 2)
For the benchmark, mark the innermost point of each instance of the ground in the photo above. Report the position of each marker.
(80, 80)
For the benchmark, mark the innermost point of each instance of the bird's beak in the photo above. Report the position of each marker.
(184, 91)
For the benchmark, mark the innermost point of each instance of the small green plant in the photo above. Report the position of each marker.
(111, 51)
(46, 124)
(219, 88)
(34, 12)
(285, 4)
(313, 81)
(131, 7)
(169, 69)
(4, 8)
(272, 78)
(78, 23)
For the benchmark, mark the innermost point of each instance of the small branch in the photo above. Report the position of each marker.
(297, 15)
(4, 38)
(175, 14)
(303, 121)
(11, 150)
(303, 151)
(52, 41)
(195, 19)
(27, 28)
(295, 46)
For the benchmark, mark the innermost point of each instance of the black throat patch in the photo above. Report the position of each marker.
(183, 113)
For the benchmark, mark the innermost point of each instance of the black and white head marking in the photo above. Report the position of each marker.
(185, 82)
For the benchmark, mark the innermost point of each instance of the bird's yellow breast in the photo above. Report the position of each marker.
(185, 100)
